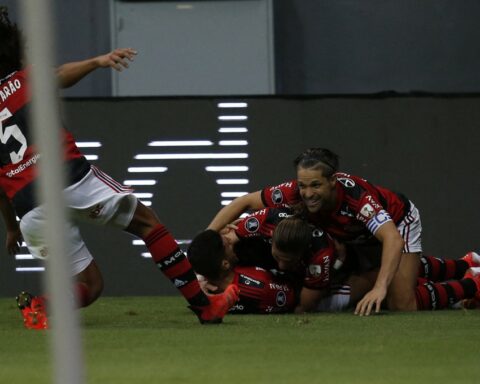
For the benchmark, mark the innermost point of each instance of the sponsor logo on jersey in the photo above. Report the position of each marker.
(32, 161)
(252, 224)
(367, 211)
(281, 299)
(315, 270)
(347, 182)
(277, 196)
(237, 308)
(317, 232)
(345, 211)
(372, 201)
(246, 280)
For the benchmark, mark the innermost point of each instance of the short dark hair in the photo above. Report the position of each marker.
(11, 45)
(293, 236)
(318, 158)
(206, 253)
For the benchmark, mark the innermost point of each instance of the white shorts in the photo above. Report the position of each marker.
(410, 229)
(338, 300)
(97, 199)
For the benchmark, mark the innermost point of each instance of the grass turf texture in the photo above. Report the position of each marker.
(157, 340)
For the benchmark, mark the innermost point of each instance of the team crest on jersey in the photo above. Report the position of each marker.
(315, 270)
(281, 299)
(277, 196)
(367, 211)
(349, 183)
(252, 225)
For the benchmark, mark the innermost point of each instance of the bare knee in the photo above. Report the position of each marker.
(143, 221)
(89, 284)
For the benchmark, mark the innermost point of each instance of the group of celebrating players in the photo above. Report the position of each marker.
(325, 241)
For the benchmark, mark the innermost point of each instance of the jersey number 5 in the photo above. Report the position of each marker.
(15, 132)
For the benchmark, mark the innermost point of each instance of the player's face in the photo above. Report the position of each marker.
(316, 190)
(285, 261)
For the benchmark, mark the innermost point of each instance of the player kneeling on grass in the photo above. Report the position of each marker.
(91, 195)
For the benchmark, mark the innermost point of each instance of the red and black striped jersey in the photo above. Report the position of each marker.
(318, 262)
(361, 206)
(262, 292)
(18, 153)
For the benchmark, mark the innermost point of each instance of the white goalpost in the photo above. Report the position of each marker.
(65, 332)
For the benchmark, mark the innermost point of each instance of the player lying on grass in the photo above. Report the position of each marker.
(264, 291)
(302, 250)
(352, 210)
(91, 195)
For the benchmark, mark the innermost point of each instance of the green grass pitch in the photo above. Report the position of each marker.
(157, 340)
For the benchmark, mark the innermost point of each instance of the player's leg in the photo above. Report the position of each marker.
(99, 199)
(401, 292)
(175, 265)
(88, 283)
(437, 269)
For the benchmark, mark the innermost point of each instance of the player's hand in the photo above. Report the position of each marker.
(14, 241)
(372, 300)
(117, 59)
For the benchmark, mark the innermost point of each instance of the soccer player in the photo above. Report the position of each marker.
(91, 195)
(355, 211)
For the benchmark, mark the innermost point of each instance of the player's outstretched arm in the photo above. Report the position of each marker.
(71, 73)
(232, 211)
(392, 246)
(14, 236)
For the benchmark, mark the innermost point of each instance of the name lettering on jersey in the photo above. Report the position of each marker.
(347, 182)
(279, 287)
(326, 264)
(252, 225)
(372, 201)
(246, 280)
(281, 298)
(9, 88)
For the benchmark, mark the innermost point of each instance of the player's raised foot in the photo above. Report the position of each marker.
(218, 307)
(472, 258)
(33, 310)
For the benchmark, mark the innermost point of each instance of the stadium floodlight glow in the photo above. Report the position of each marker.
(146, 169)
(232, 181)
(30, 269)
(88, 144)
(91, 157)
(184, 156)
(225, 202)
(181, 143)
(232, 129)
(232, 142)
(146, 203)
(227, 168)
(139, 182)
(232, 105)
(23, 257)
(144, 195)
(232, 117)
(233, 194)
